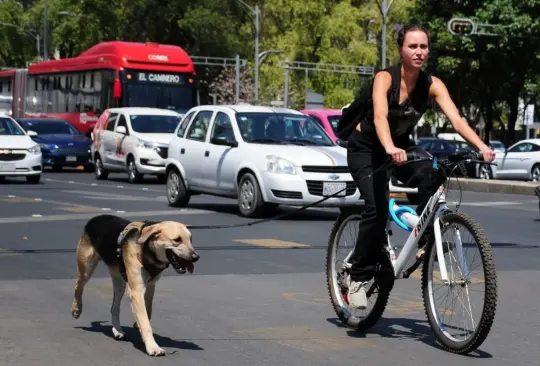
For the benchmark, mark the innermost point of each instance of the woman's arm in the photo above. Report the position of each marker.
(440, 93)
(381, 86)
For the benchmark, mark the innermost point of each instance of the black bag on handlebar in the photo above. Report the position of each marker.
(352, 115)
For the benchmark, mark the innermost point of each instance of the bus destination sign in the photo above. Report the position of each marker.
(156, 77)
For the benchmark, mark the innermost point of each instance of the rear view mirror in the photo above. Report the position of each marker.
(121, 129)
(31, 133)
(341, 143)
(224, 141)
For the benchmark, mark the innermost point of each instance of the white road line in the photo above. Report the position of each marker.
(180, 212)
(107, 185)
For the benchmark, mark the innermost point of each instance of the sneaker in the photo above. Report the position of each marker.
(357, 294)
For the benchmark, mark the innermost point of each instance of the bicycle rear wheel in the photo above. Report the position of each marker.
(461, 284)
(344, 233)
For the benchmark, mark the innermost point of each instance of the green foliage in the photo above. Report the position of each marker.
(486, 75)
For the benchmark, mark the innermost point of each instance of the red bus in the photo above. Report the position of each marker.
(111, 74)
(12, 97)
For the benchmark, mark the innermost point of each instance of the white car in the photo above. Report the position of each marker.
(520, 161)
(262, 156)
(19, 154)
(133, 140)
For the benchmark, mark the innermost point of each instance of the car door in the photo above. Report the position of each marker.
(177, 140)
(220, 161)
(517, 161)
(192, 153)
(108, 143)
(121, 141)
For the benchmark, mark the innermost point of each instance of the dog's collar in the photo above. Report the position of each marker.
(151, 268)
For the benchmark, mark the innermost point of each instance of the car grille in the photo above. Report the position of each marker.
(325, 169)
(287, 194)
(162, 151)
(315, 187)
(67, 150)
(12, 157)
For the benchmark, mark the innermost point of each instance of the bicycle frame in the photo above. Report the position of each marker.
(431, 213)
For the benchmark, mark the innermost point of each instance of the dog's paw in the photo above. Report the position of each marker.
(76, 309)
(118, 335)
(155, 350)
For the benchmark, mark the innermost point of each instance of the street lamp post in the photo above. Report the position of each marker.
(384, 8)
(45, 8)
(257, 13)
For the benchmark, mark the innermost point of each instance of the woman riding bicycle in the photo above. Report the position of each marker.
(401, 94)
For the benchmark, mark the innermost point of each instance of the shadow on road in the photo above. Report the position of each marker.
(414, 329)
(134, 337)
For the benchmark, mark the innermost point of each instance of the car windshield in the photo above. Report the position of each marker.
(50, 128)
(281, 128)
(145, 123)
(9, 128)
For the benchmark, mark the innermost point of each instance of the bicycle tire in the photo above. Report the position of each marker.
(384, 287)
(490, 300)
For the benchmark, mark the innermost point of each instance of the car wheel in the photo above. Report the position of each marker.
(177, 194)
(34, 179)
(133, 174)
(535, 173)
(100, 172)
(484, 172)
(250, 201)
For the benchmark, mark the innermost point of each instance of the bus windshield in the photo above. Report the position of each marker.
(158, 90)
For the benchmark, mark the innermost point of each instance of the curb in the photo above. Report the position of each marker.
(494, 186)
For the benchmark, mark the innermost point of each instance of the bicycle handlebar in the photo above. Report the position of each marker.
(472, 156)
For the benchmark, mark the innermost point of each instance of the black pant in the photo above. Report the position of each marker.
(365, 154)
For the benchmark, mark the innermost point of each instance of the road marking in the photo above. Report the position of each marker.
(7, 253)
(21, 219)
(105, 185)
(305, 298)
(307, 338)
(272, 243)
(17, 200)
(80, 209)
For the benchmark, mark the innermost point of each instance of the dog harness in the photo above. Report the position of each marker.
(152, 269)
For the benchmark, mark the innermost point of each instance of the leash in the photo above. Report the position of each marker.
(285, 214)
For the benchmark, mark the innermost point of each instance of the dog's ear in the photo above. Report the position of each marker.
(148, 232)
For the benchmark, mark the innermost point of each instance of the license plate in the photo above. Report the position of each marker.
(331, 188)
(7, 167)
(71, 158)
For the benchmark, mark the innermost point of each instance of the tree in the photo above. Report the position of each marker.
(224, 86)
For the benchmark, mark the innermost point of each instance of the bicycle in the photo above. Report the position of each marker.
(392, 268)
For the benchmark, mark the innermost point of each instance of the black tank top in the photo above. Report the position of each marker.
(402, 118)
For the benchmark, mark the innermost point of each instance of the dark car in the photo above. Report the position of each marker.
(442, 148)
(62, 145)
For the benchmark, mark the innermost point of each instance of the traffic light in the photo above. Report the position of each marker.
(461, 26)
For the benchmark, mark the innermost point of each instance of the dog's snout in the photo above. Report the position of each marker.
(194, 257)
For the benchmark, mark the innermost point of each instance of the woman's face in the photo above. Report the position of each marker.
(415, 49)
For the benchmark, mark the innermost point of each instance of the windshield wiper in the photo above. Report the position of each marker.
(268, 141)
(298, 141)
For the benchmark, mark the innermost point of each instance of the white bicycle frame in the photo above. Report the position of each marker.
(432, 212)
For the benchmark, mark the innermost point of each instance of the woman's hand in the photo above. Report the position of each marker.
(488, 154)
(399, 156)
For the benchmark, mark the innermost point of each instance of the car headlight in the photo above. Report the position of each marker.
(276, 164)
(35, 150)
(145, 144)
(48, 146)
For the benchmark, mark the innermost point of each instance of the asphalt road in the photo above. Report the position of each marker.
(257, 296)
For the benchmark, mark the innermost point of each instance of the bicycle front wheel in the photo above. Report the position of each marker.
(341, 242)
(456, 228)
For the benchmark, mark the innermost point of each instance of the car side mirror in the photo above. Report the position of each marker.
(121, 129)
(224, 141)
(341, 143)
(31, 133)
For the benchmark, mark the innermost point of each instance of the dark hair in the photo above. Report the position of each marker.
(409, 28)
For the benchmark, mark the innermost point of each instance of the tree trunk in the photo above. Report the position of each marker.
(511, 135)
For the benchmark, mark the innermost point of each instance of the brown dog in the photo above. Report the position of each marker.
(135, 253)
